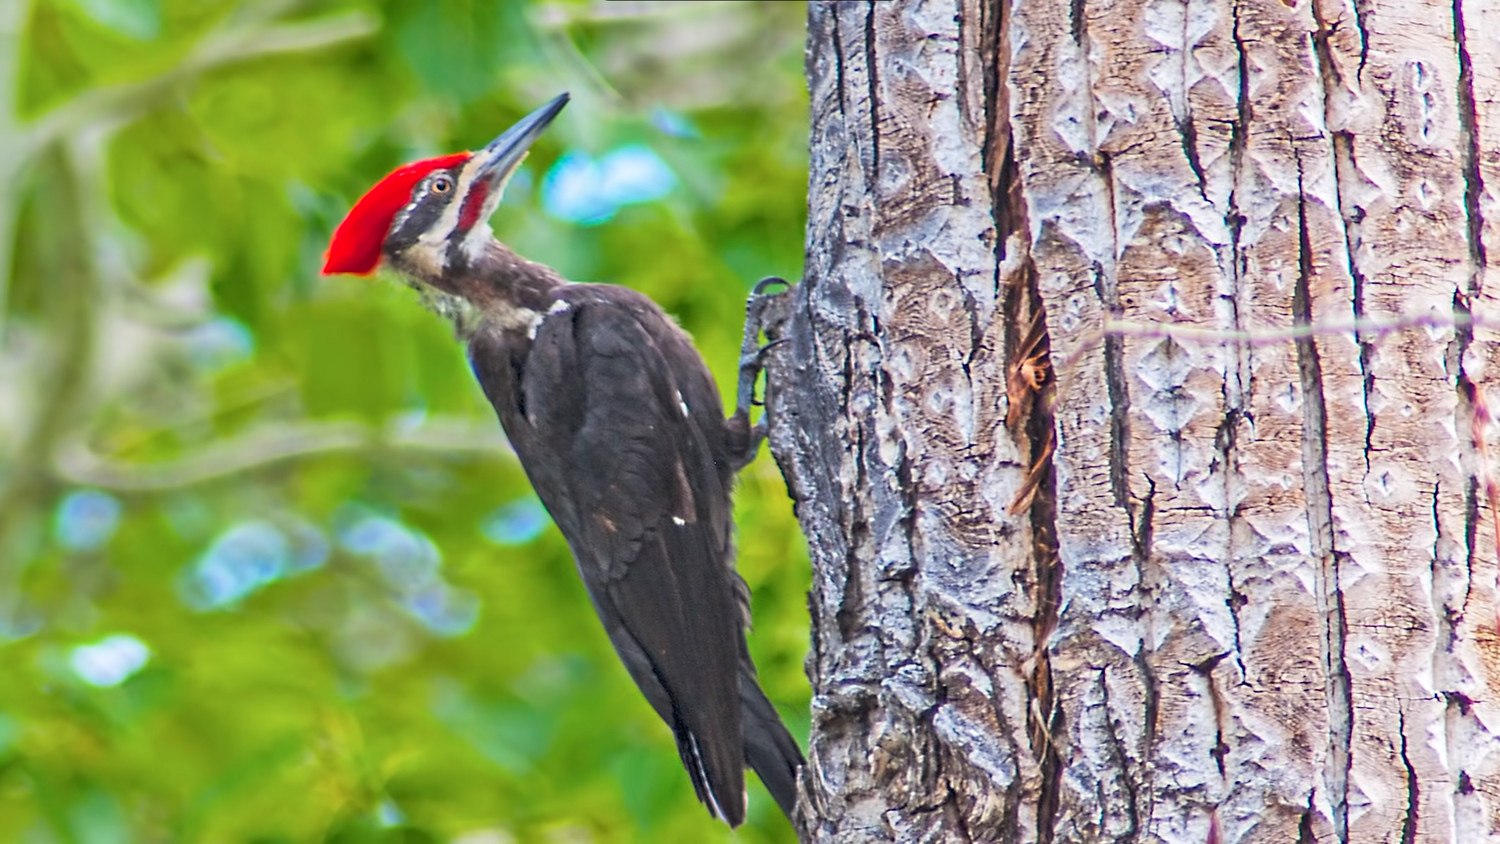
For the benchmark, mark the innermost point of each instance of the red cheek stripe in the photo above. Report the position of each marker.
(473, 205)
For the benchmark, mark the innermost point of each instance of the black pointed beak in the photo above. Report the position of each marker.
(500, 156)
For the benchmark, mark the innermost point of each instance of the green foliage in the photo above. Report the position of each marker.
(267, 570)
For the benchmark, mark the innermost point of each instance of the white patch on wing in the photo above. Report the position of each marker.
(682, 404)
(679, 521)
(535, 325)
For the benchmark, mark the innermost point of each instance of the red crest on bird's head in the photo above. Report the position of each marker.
(355, 247)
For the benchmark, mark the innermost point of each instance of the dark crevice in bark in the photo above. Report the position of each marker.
(1008, 208)
(1468, 118)
(838, 66)
(1026, 336)
(1227, 437)
(1118, 390)
(1205, 669)
(1345, 168)
(1315, 475)
(1413, 790)
(1362, 13)
(1330, 72)
(998, 153)
(1239, 137)
(1305, 834)
(872, 76)
(1447, 618)
(1142, 530)
(1106, 166)
(1127, 782)
(1023, 312)
(1471, 533)
(1468, 396)
(852, 601)
(1350, 219)
(1152, 706)
(1141, 527)
(1226, 445)
(1188, 132)
(1465, 412)
(1022, 309)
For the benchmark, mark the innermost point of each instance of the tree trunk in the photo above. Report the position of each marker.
(1204, 578)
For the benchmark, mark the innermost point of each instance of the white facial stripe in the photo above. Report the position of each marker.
(416, 196)
(438, 235)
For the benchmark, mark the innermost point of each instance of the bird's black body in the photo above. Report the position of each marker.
(618, 424)
(621, 431)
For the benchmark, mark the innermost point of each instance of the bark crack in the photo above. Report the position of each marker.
(1446, 620)
(1305, 834)
(1242, 376)
(1045, 711)
(1413, 790)
(838, 65)
(1030, 418)
(1350, 219)
(1468, 119)
(1471, 536)
(872, 77)
(1315, 475)
(852, 599)
(1117, 744)
(1189, 135)
(1185, 127)
(1362, 12)
(1205, 669)
(1117, 389)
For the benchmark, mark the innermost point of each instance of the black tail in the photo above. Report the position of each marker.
(769, 748)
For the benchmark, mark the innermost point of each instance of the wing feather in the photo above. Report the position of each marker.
(593, 406)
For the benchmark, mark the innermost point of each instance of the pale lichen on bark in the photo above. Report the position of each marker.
(1257, 600)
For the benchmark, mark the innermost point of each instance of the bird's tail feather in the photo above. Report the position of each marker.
(769, 749)
(721, 798)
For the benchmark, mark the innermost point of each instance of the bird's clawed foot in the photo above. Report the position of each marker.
(752, 360)
(752, 353)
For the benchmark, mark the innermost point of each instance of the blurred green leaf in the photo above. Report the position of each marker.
(456, 47)
(167, 344)
(140, 19)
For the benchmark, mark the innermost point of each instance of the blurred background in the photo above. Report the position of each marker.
(268, 571)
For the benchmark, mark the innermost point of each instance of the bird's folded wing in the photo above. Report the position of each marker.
(601, 423)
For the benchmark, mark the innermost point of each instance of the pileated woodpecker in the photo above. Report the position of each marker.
(618, 424)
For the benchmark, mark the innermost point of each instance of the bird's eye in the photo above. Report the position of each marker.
(442, 184)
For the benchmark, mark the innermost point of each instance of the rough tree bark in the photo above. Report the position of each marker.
(1219, 584)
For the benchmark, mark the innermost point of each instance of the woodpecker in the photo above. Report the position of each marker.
(619, 427)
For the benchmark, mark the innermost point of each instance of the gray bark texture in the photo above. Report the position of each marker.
(1105, 547)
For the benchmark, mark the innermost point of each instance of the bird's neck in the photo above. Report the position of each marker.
(500, 288)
